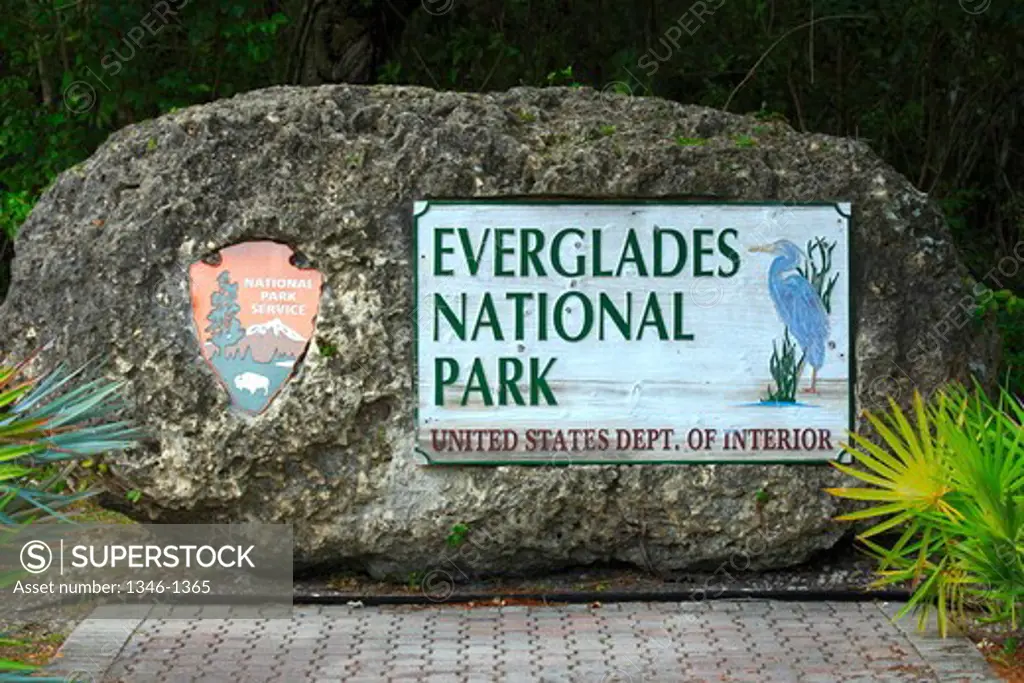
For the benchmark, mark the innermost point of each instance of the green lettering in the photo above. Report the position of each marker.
(528, 251)
(440, 250)
(478, 382)
(501, 251)
(598, 271)
(728, 252)
(458, 324)
(442, 378)
(539, 384)
(520, 299)
(542, 316)
(699, 251)
(556, 253)
(659, 252)
(677, 327)
(507, 381)
(473, 260)
(631, 253)
(488, 317)
(561, 314)
(652, 317)
(607, 307)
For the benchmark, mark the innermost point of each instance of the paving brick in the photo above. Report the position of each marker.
(735, 641)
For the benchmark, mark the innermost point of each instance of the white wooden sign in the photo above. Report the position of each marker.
(554, 332)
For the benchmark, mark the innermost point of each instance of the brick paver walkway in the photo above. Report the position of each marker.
(629, 643)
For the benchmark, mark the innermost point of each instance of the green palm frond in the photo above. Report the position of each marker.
(908, 476)
(948, 478)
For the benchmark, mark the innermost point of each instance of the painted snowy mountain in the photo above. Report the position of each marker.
(276, 328)
(272, 340)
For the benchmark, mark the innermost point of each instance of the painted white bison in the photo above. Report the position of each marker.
(252, 382)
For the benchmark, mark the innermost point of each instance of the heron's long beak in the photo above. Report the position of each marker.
(764, 248)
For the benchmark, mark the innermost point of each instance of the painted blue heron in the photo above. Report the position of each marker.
(798, 304)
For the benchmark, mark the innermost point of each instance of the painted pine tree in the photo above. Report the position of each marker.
(224, 328)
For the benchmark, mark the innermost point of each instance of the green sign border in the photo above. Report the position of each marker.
(426, 204)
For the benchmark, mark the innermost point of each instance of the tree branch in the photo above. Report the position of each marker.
(785, 35)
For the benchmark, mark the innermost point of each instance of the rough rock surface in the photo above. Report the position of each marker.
(100, 269)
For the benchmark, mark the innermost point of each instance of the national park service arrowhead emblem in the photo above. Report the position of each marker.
(254, 314)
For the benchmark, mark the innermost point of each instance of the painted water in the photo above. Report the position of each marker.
(250, 383)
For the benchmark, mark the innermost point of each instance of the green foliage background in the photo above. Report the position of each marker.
(934, 86)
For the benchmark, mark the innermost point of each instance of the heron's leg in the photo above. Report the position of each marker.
(814, 381)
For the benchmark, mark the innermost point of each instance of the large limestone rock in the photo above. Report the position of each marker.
(101, 269)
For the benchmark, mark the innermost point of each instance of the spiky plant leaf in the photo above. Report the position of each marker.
(950, 478)
(63, 415)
